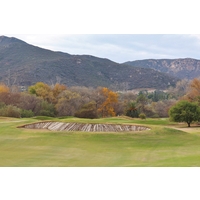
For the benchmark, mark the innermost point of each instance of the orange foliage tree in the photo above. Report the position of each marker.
(194, 91)
(4, 88)
(107, 107)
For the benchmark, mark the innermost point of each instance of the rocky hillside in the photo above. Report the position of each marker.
(24, 64)
(181, 68)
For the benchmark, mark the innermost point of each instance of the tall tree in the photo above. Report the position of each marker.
(185, 111)
(88, 110)
(68, 103)
(57, 89)
(180, 89)
(141, 101)
(132, 110)
(107, 107)
(30, 102)
(194, 91)
(42, 90)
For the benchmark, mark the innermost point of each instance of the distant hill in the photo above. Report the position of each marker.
(181, 68)
(24, 64)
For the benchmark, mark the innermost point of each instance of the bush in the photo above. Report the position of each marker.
(155, 116)
(142, 116)
(47, 109)
(46, 113)
(2, 105)
(87, 111)
(27, 113)
(10, 111)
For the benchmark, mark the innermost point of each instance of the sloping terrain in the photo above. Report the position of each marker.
(181, 68)
(24, 64)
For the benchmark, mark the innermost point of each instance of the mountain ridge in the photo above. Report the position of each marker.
(25, 64)
(183, 68)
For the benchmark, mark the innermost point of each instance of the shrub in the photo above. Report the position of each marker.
(46, 113)
(10, 111)
(155, 116)
(27, 113)
(2, 104)
(142, 116)
(87, 111)
(47, 109)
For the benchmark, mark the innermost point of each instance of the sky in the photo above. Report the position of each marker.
(119, 47)
(118, 30)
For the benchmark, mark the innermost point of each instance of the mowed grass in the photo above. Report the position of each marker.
(163, 145)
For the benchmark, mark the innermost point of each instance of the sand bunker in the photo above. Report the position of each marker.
(60, 126)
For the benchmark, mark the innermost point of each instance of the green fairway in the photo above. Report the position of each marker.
(163, 145)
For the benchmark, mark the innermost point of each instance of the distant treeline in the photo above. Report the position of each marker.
(59, 100)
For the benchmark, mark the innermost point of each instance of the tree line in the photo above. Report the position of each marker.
(44, 100)
(59, 100)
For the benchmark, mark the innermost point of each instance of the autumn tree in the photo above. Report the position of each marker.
(4, 88)
(49, 94)
(58, 89)
(43, 90)
(10, 98)
(68, 103)
(194, 91)
(107, 107)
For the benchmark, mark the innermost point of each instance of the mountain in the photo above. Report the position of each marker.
(181, 68)
(24, 64)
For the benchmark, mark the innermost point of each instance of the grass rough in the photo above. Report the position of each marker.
(166, 144)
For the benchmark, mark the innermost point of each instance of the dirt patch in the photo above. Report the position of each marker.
(189, 129)
(183, 127)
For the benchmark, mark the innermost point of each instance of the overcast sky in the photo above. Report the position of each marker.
(119, 47)
(118, 30)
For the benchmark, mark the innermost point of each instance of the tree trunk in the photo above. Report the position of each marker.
(188, 124)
